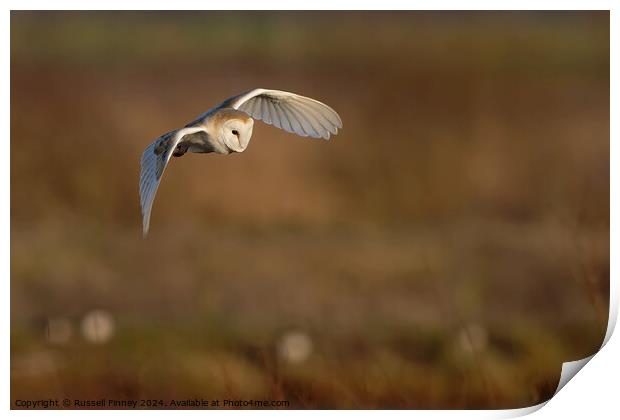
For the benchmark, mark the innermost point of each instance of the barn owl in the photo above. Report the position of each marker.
(227, 128)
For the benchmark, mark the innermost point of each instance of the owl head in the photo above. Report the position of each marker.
(235, 131)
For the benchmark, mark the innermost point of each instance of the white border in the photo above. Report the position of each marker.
(593, 394)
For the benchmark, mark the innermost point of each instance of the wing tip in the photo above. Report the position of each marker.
(146, 222)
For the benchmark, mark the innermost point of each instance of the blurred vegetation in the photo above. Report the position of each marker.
(448, 249)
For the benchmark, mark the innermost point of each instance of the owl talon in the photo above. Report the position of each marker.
(180, 151)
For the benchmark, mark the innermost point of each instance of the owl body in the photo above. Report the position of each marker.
(226, 131)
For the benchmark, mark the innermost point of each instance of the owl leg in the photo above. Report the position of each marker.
(180, 150)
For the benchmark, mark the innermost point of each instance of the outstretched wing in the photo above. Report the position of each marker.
(288, 111)
(154, 160)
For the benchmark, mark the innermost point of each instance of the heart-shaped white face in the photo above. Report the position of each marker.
(236, 133)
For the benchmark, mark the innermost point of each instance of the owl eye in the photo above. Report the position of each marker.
(235, 132)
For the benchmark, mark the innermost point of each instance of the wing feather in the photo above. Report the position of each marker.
(286, 124)
(303, 120)
(294, 122)
(274, 115)
(321, 122)
(318, 121)
(327, 112)
(255, 107)
(264, 113)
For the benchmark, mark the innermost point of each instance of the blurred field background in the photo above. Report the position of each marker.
(448, 249)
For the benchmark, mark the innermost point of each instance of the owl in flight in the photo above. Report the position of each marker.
(227, 128)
